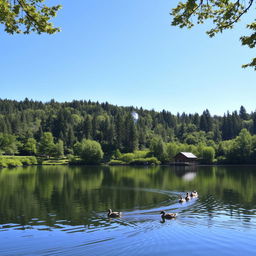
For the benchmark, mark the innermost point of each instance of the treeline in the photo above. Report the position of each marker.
(27, 127)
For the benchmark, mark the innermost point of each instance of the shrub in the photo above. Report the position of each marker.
(128, 157)
(3, 163)
(91, 152)
(14, 162)
(145, 161)
(141, 153)
(25, 161)
(116, 162)
(32, 159)
(29, 160)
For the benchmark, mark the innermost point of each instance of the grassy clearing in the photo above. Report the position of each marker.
(52, 161)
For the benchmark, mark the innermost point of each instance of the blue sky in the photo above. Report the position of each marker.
(126, 53)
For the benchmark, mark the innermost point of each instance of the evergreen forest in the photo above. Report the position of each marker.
(123, 134)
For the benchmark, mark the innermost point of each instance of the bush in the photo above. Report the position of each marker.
(145, 161)
(3, 163)
(91, 152)
(25, 161)
(12, 161)
(116, 162)
(141, 153)
(128, 157)
(29, 160)
(32, 159)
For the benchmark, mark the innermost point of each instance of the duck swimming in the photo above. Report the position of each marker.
(194, 194)
(182, 200)
(165, 215)
(187, 198)
(113, 214)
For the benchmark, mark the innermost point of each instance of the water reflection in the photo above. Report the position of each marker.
(59, 197)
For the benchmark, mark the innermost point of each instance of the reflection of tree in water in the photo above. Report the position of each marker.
(79, 194)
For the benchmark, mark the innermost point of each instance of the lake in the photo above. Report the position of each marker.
(62, 210)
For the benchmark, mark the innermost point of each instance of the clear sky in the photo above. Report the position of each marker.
(126, 53)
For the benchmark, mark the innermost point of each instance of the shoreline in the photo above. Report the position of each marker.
(129, 165)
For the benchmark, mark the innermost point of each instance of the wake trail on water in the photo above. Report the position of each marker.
(171, 204)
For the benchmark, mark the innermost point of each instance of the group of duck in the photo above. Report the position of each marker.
(164, 215)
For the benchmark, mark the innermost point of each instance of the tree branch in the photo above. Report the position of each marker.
(239, 16)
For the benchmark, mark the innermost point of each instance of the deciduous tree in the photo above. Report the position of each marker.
(224, 14)
(25, 16)
(91, 152)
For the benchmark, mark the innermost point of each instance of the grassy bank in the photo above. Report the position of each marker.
(15, 161)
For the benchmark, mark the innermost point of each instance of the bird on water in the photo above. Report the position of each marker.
(187, 197)
(165, 215)
(194, 194)
(113, 214)
(182, 200)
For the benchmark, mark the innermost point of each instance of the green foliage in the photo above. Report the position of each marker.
(91, 152)
(8, 144)
(131, 135)
(46, 146)
(127, 158)
(54, 161)
(117, 154)
(172, 150)
(30, 146)
(30, 160)
(224, 14)
(136, 158)
(25, 16)
(158, 148)
(77, 148)
(10, 162)
(27, 123)
(145, 161)
(59, 149)
(13, 161)
(141, 153)
(241, 149)
(208, 154)
(116, 162)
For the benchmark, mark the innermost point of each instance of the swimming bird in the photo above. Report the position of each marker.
(165, 215)
(182, 200)
(113, 214)
(194, 194)
(187, 198)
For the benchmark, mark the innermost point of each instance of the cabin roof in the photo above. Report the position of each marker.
(188, 155)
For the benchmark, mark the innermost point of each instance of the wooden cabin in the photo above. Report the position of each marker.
(186, 158)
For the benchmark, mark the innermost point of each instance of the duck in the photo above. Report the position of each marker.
(187, 198)
(113, 214)
(182, 200)
(165, 215)
(194, 194)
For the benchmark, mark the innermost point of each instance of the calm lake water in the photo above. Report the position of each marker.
(62, 211)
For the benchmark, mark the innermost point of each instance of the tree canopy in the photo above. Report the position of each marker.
(91, 152)
(224, 14)
(85, 129)
(25, 16)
